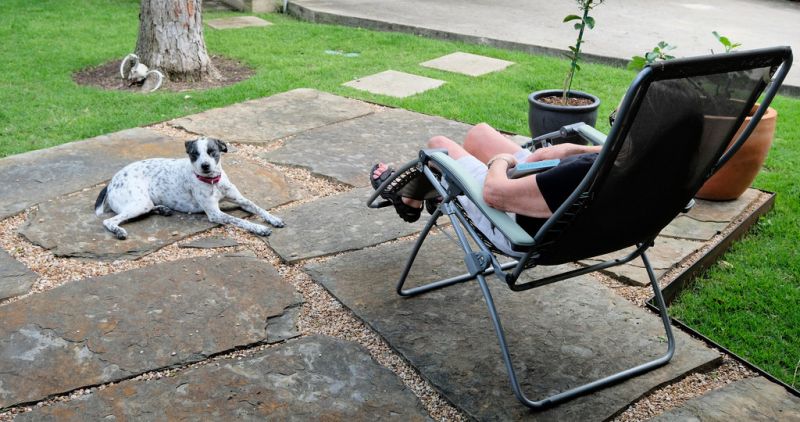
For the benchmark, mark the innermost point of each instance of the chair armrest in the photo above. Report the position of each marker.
(588, 133)
(472, 190)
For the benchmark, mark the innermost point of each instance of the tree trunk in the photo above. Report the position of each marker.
(171, 40)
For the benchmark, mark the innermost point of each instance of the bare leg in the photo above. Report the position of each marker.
(485, 142)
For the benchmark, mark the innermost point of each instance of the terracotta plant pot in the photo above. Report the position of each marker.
(730, 181)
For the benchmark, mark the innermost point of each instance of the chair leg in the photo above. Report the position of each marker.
(413, 256)
(591, 386)
(448, 281)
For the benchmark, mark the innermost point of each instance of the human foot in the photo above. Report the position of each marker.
(408, 209)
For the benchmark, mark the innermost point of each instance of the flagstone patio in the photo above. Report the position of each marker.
(179, 316)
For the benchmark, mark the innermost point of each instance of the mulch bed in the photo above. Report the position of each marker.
(106, 76)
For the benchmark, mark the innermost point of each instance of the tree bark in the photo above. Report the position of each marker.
(171, 40)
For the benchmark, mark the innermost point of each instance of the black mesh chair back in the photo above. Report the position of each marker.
(679, 123)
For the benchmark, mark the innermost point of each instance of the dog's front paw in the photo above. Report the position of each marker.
(276, 222)
(120, 233)
(262, 231)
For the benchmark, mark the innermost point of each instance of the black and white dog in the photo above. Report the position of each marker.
(191, 185)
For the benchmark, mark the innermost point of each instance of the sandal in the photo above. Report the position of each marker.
(411, 183)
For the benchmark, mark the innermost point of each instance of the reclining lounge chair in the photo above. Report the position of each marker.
(672, 132)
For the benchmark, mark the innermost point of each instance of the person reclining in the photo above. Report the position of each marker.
(487, 155)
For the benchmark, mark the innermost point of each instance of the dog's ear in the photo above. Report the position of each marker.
(221, 145)
(190, 146)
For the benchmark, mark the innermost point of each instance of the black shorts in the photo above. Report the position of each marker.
(556, 185)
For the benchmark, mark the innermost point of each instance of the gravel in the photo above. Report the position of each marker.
(322, 313)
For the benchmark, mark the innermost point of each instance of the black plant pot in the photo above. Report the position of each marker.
(545, 118)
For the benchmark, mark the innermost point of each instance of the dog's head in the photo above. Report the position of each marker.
(205, 154)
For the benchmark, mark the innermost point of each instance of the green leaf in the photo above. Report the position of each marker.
(651, 56)
(590, 22)
(578, 26)
(636, 63)
(571, 18)
(573, 49)
(577, 66)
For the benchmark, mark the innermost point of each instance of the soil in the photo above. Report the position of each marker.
(106, 76)
(572, 102)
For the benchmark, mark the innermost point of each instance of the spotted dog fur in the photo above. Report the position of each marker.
(191, 185)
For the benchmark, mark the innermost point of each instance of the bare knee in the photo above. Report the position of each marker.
(440, 142)
(477, 135)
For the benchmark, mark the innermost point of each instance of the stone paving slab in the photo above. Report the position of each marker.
(560, 335)
(270, 118)
(685, 227)
(313, 378)
(237, 22)
(15, 278)
(36, 176)
(346, 151)
(723, 211)
(667, 253)
(114, 327)
(69, 227)
(752, 399)
(467, 64)
(394, 84)
(335, 224)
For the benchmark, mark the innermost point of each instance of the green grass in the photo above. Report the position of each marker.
(45, 43)
(751, 305)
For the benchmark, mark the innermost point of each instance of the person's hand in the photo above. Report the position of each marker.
(508, 158)
(555, 151)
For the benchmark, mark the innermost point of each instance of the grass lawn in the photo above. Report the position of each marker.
(751, 305)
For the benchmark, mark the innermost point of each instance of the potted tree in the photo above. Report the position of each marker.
(549, 110)
(732, 179)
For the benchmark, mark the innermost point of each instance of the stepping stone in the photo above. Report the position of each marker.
(36, 176)
(15, 278)
(751, 399)
(237, 22)
(313, 378)
(210, 243)
(394, 84)
(114, 327)
(560, 335)
(667, 253)
(68, 226)
(275, 117)
(335, 224)
(346, 151)
(467, 64)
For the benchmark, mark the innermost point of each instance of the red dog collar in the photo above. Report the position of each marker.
(209, 180)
